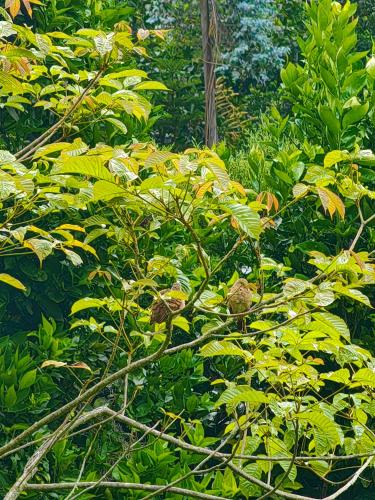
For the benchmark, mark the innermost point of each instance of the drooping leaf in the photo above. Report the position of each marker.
(352, 293)
(330, 323)
(74, 258)
(118, 124)
(10, 280)
(323, 423)
(300, 190)
(331, 202)
(41, 247)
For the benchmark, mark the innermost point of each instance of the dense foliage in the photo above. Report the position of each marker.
(130, 365)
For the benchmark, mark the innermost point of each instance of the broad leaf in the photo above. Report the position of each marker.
(247, 219)
(242, 394)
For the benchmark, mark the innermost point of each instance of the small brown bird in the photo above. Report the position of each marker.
(160, 311)
(239, 299)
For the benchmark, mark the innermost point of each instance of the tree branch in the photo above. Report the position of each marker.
(125, 486)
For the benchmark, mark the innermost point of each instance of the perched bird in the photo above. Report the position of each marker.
(160, 310)
(239, 299)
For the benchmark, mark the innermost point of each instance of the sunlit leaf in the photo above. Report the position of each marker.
(150, 86)
(10, 280)
(86, 303)
(223, 348)
(91, 166)
(329, 323)
(364, 377)
(41, 247)
(247, 219)
(334, 157)
(323, 423)
(242, 394)
(341, 376)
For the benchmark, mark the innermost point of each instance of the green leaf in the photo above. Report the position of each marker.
(341, 376)
(10, 397)
(229, 483)
(9, 280)
(223, 348)
(9, 84)
(370, 67)
(118, 124)
(182, 323)
(330, 80)
(103, 44)
(86, 303)
(6, 157)
(74, 258)
(150, 86)
(242, 394)
(91, 166)
(218, 169)
(247, 219)
(249, 489)
(330, 323)
(77, 147)
(153, 182)
(27, 379)
(364, 377)
(126, 73)
(294, 286)
(41, 248)
(352, 293)
(335, 157)
(329, 119)
(105, 191)
(158, 157)
(355, 115)
(323, 298)
(321, 467)
(327, 426)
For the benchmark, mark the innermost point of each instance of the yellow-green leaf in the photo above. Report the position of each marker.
(335, 157)
(323, 423)
(242, 394)
(10, 280)
(86, 303)
(150, 86)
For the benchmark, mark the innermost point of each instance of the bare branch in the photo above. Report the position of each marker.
(124, 486)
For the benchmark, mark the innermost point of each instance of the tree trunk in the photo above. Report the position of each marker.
(209, 32)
